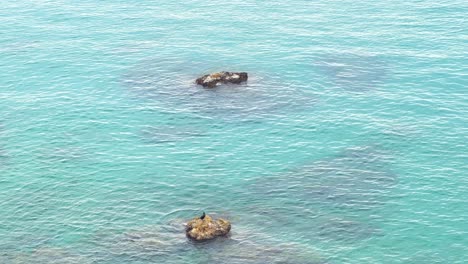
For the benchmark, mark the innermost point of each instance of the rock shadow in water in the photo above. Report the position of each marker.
(354, 72)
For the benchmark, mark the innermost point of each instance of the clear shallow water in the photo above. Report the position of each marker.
(347, 145)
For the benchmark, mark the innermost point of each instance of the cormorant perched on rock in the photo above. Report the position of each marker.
(205, 228)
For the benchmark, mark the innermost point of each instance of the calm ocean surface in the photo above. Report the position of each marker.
(348, 144)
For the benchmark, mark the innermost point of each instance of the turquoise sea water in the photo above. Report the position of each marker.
(348, 144)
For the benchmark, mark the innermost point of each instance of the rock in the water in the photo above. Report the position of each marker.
(211, 80)
(205, 229)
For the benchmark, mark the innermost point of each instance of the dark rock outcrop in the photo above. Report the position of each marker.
(211, 80)
(205, 229)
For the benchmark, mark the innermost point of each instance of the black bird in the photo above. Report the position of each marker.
(203, 216)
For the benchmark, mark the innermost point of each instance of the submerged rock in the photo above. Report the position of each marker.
(167, 244)
(211, 80)
(358, 178)
(205, 228)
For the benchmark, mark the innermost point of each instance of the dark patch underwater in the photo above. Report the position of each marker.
(333, 195)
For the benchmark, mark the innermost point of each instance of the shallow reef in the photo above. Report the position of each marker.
(333, 195)
(357, 178)
(168, 244)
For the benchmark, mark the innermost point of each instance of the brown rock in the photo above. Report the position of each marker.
(211, 80)
(207, 228)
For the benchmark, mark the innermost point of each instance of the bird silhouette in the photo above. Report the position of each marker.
(203, 216)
